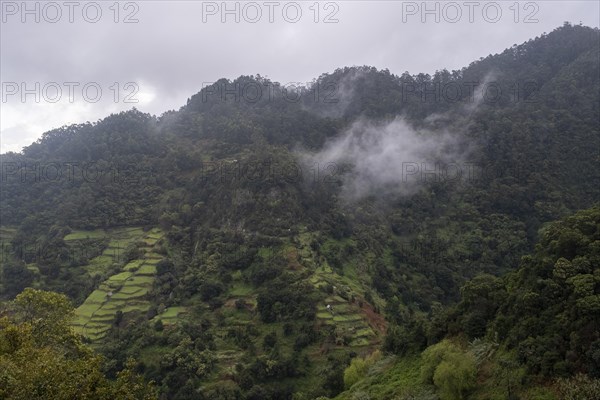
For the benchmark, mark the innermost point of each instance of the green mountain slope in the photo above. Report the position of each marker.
(234, 253)
(521, 332)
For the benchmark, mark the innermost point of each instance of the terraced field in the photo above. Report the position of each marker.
(81, 234)
(351, 316)
(170, 315)
(124, 291)
(348, 319)
(119, 240)
(347, 314)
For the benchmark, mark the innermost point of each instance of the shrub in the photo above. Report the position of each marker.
(359, 367)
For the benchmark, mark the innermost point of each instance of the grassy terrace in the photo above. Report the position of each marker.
(170, 315)
(349, 319)
(81, 235)
(124, 291)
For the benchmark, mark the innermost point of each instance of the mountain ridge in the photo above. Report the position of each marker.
(272, 278)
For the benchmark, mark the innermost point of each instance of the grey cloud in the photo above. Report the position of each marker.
(173, 52)
(375, 159)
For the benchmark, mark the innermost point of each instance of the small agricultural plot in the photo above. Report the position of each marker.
(345, 316)
(133, 265)
(82, 235)
(124, 291)
(118, 241)
(146, 269)
(171, 314)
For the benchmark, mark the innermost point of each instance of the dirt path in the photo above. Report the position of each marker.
(376, 321)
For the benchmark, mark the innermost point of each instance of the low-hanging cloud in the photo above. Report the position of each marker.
(396, 158)
(375, 159)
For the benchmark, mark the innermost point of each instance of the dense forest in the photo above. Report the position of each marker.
(368, 236)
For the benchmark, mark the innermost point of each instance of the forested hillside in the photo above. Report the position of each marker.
(368, 236)
(507, 336)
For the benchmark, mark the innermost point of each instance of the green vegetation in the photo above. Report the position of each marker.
(541, 316)
(41, 358)
(81, 234)
(358, 368)
(230, 269)
(120, 295)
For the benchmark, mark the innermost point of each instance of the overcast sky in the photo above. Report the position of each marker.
(85, 60)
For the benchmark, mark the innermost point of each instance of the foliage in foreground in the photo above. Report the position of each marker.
(41, 357)
(534, 333)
